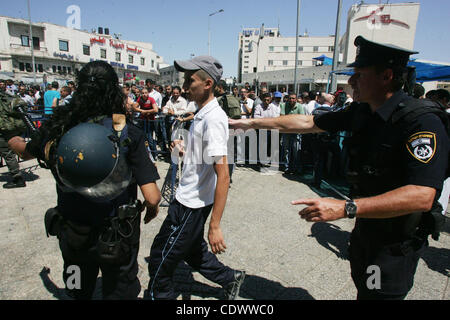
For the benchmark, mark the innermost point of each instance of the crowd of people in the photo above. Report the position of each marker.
(394, 196)
(155, 109)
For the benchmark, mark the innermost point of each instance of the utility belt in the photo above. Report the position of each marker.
(428, 223)
(112, 241)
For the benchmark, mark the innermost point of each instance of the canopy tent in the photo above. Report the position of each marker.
(424, 71)
(326, 61)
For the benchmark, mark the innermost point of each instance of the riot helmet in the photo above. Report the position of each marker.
(89, 161)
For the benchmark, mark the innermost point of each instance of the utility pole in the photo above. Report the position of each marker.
(333, 85)
(296, 49)
(30, 41)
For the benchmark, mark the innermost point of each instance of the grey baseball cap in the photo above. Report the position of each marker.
(206, 63)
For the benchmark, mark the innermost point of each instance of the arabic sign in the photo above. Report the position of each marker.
(63, 55)
(376, 20)
(99, 40)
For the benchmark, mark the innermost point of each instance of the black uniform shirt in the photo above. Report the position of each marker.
(415, 154)
(419, 150)
(75, 207)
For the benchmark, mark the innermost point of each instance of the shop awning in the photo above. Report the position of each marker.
(424, 71)
(326, 60)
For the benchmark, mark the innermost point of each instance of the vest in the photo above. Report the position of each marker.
(373, 170)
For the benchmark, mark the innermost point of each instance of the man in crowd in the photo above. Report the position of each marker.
(231, 106)
(11, 124)
(64, 99)
(147, 108)
(291, 142)
(203, 188)
(24, 96)
(167, 94)
(398, 166)
(49, 96)
(246, 104)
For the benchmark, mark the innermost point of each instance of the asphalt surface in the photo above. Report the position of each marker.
(284, 257)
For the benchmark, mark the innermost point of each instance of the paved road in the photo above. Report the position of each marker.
(284, 256)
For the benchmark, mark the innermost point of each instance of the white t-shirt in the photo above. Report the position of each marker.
(311, 106)
(157, 96)
(208, 138)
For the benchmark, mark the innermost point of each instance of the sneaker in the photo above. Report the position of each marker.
(16, 183)
(232, 289)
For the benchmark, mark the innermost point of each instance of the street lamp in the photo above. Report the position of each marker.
(209, 29)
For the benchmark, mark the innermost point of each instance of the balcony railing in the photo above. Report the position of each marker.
(18, 48)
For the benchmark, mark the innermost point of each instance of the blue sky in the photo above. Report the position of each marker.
(179, 28)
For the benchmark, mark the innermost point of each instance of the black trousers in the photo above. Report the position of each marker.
(181, 239)
(397, 263)
(8, 154)
(79, 248)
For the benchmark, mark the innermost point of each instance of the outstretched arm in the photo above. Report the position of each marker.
(398, 202)
(294, 123)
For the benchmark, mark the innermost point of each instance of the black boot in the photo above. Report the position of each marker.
(17, 182)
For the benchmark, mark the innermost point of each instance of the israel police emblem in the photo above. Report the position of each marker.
(422, 146)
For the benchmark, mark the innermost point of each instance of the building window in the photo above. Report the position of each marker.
(285, 62)
(153, 63)
(103, 53)
(270, 62)
(86, 50)
(331, 48)
(63, 45)
(28, 67)
(271, 48)
(286, 48)
(117, 56)
(69, 70)
(54, 69)
(299, 62)
(59, 69)
(300, 48)
(36, 43)
(142, 61)
(40, 68)
(130, 59)
(21, 66)
(315, 49)
(64, 70)
(25, 41)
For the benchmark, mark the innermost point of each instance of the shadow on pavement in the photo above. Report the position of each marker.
(253, 288)
(27, 176)
(331, 237)
(437, 259)
(60, 293)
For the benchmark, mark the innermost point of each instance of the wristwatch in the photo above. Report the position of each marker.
(350, 209)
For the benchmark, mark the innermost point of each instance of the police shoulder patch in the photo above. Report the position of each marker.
(422, 146)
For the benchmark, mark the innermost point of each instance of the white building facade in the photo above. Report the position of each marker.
(273, 52)
(386, 23)
(60, 51)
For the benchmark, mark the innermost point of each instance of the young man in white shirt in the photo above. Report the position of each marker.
(203, 187)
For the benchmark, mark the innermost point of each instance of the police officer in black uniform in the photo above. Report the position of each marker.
(98, 159)
(398, 161)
